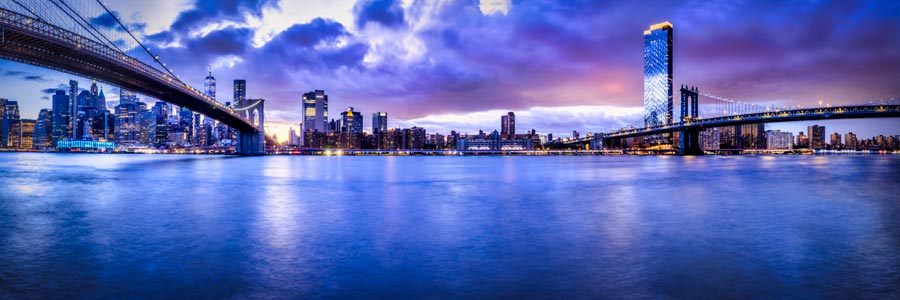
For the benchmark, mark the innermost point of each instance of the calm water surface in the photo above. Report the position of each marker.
(81, 226)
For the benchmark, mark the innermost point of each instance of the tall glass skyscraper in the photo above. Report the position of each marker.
(658, 86)
(315, 110)
(351, 121)
(240, 91)
(209, 85)
(379, 122)
(60, 117)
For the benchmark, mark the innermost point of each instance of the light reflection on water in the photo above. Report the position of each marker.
(137, 226)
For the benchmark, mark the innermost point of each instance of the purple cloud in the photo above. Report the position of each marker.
(388, 13)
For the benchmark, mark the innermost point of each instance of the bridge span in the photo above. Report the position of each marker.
(32, 39)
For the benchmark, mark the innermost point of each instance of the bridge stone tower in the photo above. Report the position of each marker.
(252, 142)
(690, 138)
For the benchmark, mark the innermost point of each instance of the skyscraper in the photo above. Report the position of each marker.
(508, 125)
(351, 121)
(850, 141)
(127, 97)
(835, 141)
(73, 109)
(9, 124)
(60, 117)
(753, 136)
(816, 136)
(128, 118)
(658, 86)
(379, 122)
(209, 85)
(101, 101)
(42, 130)
(240, 91)
(315, 111)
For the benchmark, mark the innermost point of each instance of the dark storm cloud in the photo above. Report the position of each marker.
(296, 47)
(26, 76)
(105, 20)
(222, 42)
(388, 13)
(205, 11)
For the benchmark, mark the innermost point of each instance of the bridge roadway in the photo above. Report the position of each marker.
(890, 110)
(36, 42)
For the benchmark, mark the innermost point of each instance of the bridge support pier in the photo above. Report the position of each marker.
(690, 142)
(251, 143)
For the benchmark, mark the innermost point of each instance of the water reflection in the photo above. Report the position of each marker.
(133, 226)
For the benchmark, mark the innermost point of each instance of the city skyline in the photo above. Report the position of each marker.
(558, 115)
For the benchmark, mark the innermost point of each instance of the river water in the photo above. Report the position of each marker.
(89, 226)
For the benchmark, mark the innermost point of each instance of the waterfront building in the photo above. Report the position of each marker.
(778, 140)
(836, 141)
(315, 112)
(9, 112)
(351, 121)
(816, 136)
(494, 143)
(710, 139)
(730, 137)
(60, 117)
(850, 141)
(148, 127)
(658, 86)
(127, 119)
(508, 125)
(753, 136)
(85, 145)
(802, 140)
(292, 136)
(42, 130)
(9, 126)
(379, 122)
(73, 109)
(103, 126)
(24, 130)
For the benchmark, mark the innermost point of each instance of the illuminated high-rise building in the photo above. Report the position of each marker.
(60, 117)
(658, 86)
(42, 130)
(850, 141)
(240, 91)
(508, 126)
(816, 136)
(73, 109)
(9, 124)
(315, 111)
(379, 122)
(351, 121)
(209, 85)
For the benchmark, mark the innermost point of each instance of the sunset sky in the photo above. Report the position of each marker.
(560, 65)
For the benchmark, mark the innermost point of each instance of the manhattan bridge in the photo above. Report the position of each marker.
(88, 39)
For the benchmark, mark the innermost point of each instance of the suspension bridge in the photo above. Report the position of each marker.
(701, 110)
(88, 39)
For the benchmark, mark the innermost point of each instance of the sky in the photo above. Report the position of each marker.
(459, 65)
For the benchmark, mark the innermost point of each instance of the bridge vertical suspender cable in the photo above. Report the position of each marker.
(154, 57)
